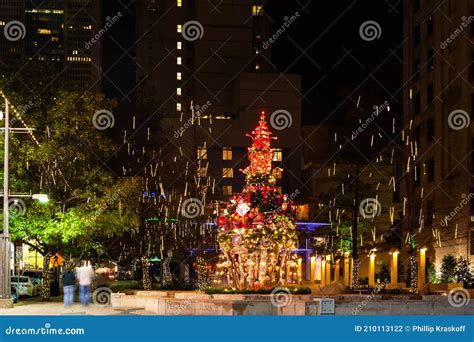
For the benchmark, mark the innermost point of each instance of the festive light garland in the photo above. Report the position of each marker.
(202, 278)
(167, 277)
(146, 274)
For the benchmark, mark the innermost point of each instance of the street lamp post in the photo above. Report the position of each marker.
(5, 289)
(5, 241)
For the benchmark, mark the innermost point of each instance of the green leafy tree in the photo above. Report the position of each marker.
(67, 160)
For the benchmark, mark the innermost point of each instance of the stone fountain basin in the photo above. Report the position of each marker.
(176, 303)
(192, 303)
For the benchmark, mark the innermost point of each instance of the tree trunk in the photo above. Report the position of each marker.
(202, 280)
(413, 273)
(146, 274)
(355, 232)
(167, 276)
(46, 287)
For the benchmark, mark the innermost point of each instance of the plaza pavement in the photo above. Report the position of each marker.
(58, 309)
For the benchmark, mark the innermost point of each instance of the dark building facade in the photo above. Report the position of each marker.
(57, 31)
(208, 57)
(438, 104)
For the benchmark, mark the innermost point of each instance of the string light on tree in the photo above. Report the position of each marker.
(257, 233)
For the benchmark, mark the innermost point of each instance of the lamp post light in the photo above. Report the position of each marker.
(5, 286)
(5, 289)
(42, 198)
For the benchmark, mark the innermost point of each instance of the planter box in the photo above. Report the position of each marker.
(191, 295)
(153, 293)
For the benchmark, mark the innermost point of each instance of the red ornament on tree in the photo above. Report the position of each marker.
(222, 222)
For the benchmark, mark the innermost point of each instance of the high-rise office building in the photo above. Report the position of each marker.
(211, 54)
(57, 31)
(438, 103)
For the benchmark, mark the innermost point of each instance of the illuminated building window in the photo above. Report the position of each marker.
(78, 59)
(277, 154)
(44, 31)
(45, 11)
(178, 60)
(227, 190)
(179, 45)
(179, 3)
(227, 172)
(178, 106)
(178, 76)
(178, 91)
(278, 173)
(257, 10)
(227, 153)
(180, 27)
(202, 153)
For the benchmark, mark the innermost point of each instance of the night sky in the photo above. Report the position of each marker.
(336, 62)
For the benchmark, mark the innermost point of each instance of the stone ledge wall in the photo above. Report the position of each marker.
(187, 304)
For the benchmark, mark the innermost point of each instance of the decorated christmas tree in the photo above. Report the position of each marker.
(257, 233)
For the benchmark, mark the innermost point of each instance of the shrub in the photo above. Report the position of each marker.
(448, 269)
(431, 276)
(263, 290)
(383, 271)
(462, 272)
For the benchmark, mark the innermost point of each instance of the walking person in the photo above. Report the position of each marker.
(85, 275)
(69, 281)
